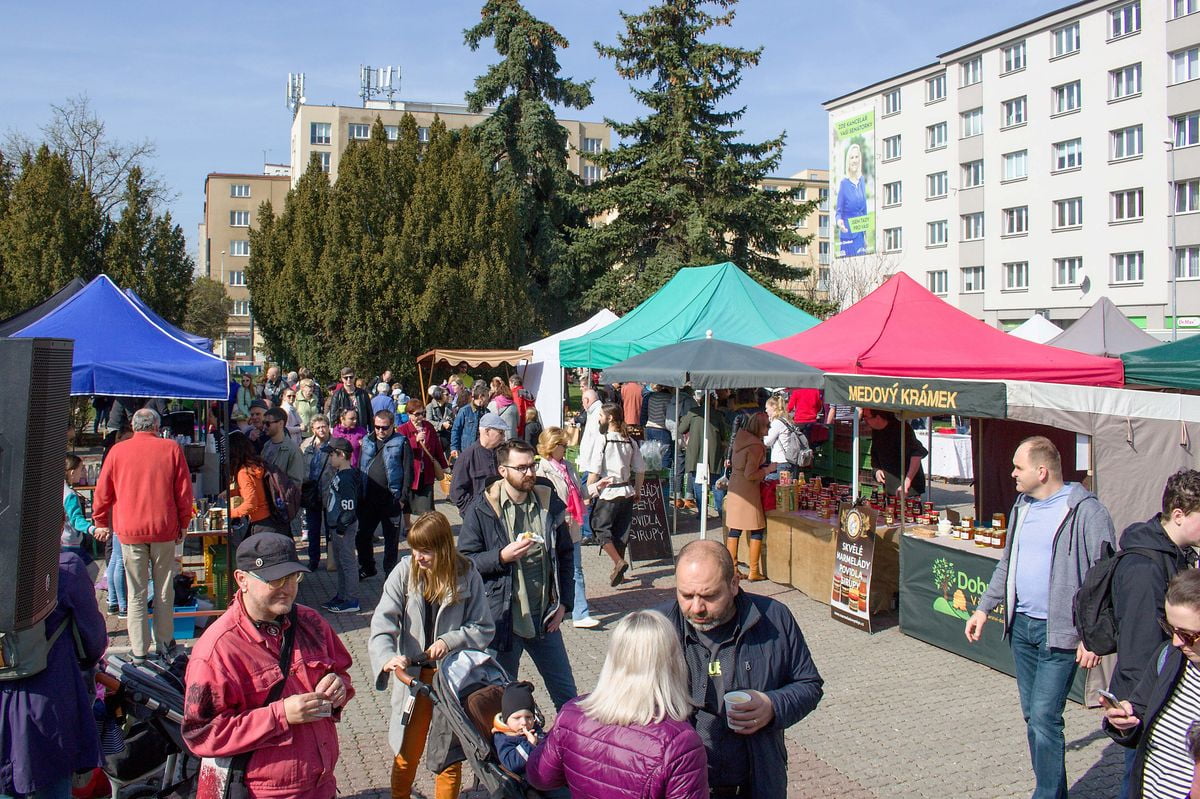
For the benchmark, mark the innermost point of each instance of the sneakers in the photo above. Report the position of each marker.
(346, 606)
(586, 623)
(121, 614)
(364, 574)
(112, 610)
(328, 604)
(617, 576)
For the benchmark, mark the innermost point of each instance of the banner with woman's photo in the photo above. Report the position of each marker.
(852, 184)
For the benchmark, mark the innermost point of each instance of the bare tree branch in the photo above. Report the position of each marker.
(852, 278)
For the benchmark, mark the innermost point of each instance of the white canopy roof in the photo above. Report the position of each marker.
(544, 374)
(1036, 328)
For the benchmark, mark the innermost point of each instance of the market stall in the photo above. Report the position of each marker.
(1104, 330)
(544, 374)
(1036, 328)
(472, 359)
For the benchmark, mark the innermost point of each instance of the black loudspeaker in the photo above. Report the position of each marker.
(35, 410)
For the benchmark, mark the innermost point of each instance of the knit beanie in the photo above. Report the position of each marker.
(517, 696)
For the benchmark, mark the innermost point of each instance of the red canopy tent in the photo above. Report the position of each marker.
(903, 330)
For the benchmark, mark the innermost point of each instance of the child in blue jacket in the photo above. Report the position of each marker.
(515, 730)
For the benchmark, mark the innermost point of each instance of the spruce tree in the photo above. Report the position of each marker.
(684, 189)
(528, 146)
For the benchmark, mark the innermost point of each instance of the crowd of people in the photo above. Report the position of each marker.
(693, 697)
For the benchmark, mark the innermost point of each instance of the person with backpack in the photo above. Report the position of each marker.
(283, 453)
(251, 513)
(1152, 552)
(1057, 531)
(615, 472)
(787, 444)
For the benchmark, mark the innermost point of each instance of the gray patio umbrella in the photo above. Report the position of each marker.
(708, 364)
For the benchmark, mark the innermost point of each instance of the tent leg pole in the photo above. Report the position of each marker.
(703, 503)
(903, 472)
(675, 492)
(855, 482)
(929, 449)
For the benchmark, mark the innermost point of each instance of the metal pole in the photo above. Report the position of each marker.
(929, 449)
(702, 466)
(675, 489)
(855, 482)
(1174, 267)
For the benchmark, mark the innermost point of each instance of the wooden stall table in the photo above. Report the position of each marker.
(800, 550)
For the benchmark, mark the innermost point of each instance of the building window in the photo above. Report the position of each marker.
(237, 278)
(936, 233)
(1068, 271)
(239, 247)
(936, 185)
(1016, 221)
(1012, 58)
(423, 135)
(972, 174)
(892, 194)
(891, 148)
(1126, 142)
(801, 193)
(1126, 205)
(972, 226)
(392, 132)
(1068, 213)
(239, 219)
(1127, 267)
(823, 277)
(591, 174)
(798, 249)
(239, 190)
(1187, 197)
(971, 72)
(823, 225)
(972, 279)
(241, 307)
(972, 122)
(938, 281)
(1124, 20)
(1067, 97)
(320, 133)
(359, 131)
(1185, 65)
(1014, 112)
(592, 145)
(893, 240)
(1066, 40)
(1016, 165)
(1016, 276)
(935, 136)
(891, 102)
(324, 161)
(823, 253)
(1187, 262)
(1187, 129)
(1125, 82)
(1068, 155)
(1181, 8)
(935, 88)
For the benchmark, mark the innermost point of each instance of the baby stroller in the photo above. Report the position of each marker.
(466, 694)
(148, 698)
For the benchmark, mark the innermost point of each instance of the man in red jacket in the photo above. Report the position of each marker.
(145, 494)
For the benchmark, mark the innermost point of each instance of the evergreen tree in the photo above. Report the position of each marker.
(52, 231)
(528, 146)
(208, 308)
(684, 189)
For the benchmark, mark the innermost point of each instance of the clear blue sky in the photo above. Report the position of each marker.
(205, 81)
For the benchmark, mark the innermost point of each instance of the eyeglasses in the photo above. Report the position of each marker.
(383, 427)
(526, 468)
(295, 577)
(1189, 637)
(272, 421)
(417, 414)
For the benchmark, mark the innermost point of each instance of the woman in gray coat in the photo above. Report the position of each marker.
(432, 604)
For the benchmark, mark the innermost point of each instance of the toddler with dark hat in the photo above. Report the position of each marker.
(516, 729)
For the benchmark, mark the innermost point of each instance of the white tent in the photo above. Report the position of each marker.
(1036, 328)
(544, 375)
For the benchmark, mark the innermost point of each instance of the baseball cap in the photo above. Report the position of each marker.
(339, 444)
(492, 421)
(269, 555)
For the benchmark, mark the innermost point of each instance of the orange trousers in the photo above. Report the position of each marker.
(404, 769)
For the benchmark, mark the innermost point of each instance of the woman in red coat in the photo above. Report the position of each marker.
(630, 738)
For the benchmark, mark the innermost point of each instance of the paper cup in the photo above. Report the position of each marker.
(734, 698)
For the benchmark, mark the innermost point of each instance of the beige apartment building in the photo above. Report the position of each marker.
(810, 184)
(231, 204)
(328, 129)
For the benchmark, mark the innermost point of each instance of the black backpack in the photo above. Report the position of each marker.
(283, 494)
(1092, 606)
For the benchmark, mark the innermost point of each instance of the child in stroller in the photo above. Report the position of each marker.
(516, 730)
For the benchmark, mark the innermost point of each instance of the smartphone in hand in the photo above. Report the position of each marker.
(1110, 701)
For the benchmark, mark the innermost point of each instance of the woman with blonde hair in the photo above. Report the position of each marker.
(748, 465)
(432, 604)
(631, 736)
(553, 465)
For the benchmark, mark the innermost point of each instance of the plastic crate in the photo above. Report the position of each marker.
(185, 627)
(218, 576)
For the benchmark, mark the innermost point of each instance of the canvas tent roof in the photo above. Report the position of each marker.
(1173, 365)
(30, 315)
(178, 332)
(1037, 329)
(710, 363)
(904, 330)
(720, 298)
(543, 374)
(120, 351)
(473, 358)
(1104, 330)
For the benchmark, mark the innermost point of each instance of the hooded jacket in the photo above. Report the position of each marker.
(1078, 544)
(1139, 587)
(483, 535)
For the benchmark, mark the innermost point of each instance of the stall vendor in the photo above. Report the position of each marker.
(885, 453)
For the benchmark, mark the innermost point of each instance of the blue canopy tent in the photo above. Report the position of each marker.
(121, 351)
(178, 332)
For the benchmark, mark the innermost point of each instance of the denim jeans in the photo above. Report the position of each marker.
(718, 495)
(580, 611)
(1044, 677)
(586, 526)
(550, 657)
(115, 571)
(663, 437)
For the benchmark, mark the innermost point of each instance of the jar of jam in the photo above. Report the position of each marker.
(999, 536)
(968, 534)
(983, 537)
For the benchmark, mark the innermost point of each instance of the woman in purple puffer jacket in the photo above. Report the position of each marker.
(629, 738)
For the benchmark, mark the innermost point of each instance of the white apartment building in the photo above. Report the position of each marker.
(1043, 166)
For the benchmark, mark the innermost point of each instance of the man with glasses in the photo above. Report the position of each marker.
(349, 396)
(235, 666)
(387, 469)
(516, 535)
(282, 452)
(477, 465)
(1057, 531)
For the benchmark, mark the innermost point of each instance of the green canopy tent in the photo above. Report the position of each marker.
(720, 298)
(1172, 365)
